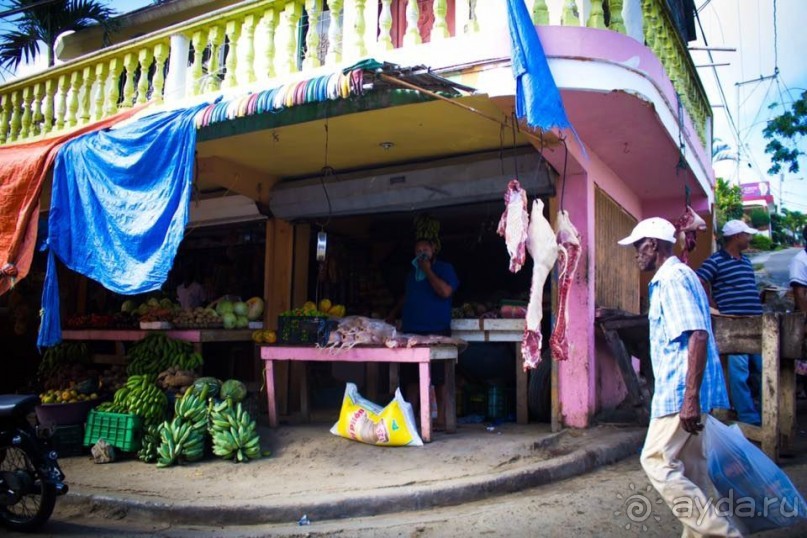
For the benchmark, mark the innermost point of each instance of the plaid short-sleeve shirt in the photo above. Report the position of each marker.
(678, 306)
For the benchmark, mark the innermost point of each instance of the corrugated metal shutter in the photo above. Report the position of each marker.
(616, 273)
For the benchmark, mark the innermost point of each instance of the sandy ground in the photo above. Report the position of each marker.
(308, 461)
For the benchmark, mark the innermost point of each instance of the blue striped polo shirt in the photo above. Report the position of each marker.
(734, 286)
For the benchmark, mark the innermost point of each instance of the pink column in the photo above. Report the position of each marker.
(577, 376)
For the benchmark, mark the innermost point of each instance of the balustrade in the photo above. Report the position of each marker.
(293, 35)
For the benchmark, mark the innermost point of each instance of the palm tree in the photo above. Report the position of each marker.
(43, 22)
(722, 151)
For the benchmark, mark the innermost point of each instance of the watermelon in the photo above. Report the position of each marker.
(234, 390)
(213, 386)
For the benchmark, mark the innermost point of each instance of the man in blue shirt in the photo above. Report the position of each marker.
(689, 380)
(426, 308)
(730, 276)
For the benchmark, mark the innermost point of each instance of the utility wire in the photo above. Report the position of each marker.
(719, 83)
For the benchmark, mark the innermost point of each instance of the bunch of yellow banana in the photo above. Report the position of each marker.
(180, 442)
(427, 227)
(234, 432)
(151, 442)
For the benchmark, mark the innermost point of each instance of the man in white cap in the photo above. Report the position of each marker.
(689, 380)
(734, 291)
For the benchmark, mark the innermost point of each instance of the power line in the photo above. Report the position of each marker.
(717, 78)
(20, 9)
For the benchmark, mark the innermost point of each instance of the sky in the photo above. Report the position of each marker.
(748, 26)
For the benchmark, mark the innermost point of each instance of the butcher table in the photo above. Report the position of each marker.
(420, 355)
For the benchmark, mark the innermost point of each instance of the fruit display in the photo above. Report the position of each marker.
(179, 442)
(139, 396)
(65, 396)
(55, 358)
(157, 352)
(311, 309)
(154, 310)
(197, 318)
(264, 336)
(118, 320)
(111, 379)
(234, 432)
(182, 438)
(234, 390)
(427, 227)
(150, 443)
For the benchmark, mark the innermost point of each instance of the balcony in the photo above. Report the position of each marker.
(261, 44)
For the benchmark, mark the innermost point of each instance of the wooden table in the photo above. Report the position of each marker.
(499, 330)
(779, 338)
(420, 355)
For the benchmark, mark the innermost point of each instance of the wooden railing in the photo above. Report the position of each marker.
(254, 43)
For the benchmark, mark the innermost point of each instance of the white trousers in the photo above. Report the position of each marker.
(676, 466)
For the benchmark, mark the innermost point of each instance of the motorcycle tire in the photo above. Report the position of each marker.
(33, 508)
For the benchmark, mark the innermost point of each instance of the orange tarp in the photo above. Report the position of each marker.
(23, 169)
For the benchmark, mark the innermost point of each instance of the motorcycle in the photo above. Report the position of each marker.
(30, 476)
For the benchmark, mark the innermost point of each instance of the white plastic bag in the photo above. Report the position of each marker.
(755, 493)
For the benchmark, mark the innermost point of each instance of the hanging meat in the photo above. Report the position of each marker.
(514, 223)
(686, 228)
(543, 248)
(568, 239)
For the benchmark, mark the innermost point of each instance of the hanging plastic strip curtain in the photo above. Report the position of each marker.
(119, 207)
(316, 90)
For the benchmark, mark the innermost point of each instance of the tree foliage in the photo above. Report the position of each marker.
(760, 218)
(784, 133)
(728, 200)
(793, 222)
(41, 23)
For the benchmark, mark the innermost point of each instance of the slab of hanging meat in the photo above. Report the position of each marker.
(513, 224)
(568, 239)
(543, 248)
(686, 228)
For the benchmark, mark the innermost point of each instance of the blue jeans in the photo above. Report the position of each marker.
(740, 367)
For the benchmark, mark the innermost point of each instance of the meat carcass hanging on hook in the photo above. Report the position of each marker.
(514, 223)
(543, 248)
(686, 228)
(568, 239)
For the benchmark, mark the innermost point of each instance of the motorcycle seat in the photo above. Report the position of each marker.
(17, 404)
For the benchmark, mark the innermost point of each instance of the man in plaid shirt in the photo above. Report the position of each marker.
(689, 379)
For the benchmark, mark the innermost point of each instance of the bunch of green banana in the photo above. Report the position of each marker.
(179, 442)
(427, 227)
(60, 355)
(193, 408)
(234, 432)
(151, 442)
(139, 396)
(157, 352)
(112, 407)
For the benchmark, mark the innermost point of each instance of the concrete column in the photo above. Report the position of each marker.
(577, 376)
(177, 68)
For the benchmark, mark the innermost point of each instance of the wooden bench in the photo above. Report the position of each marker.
(419, 355)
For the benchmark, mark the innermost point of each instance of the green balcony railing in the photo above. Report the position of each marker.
(257, 41)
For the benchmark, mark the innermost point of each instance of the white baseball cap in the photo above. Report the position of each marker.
(654, 227)
(734, 227)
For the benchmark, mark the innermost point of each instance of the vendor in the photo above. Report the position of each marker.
(426, 306)
(190, 292)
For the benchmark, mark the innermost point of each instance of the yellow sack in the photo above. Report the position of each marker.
(366, 422)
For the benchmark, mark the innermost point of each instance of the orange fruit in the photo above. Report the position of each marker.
(270, 337)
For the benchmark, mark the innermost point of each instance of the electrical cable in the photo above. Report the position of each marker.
(723, 99)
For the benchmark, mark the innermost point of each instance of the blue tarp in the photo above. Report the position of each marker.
(119, 207)
(537, 96)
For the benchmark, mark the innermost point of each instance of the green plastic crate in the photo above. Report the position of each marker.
(123, 431)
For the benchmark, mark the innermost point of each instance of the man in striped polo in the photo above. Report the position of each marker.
(730, 276)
